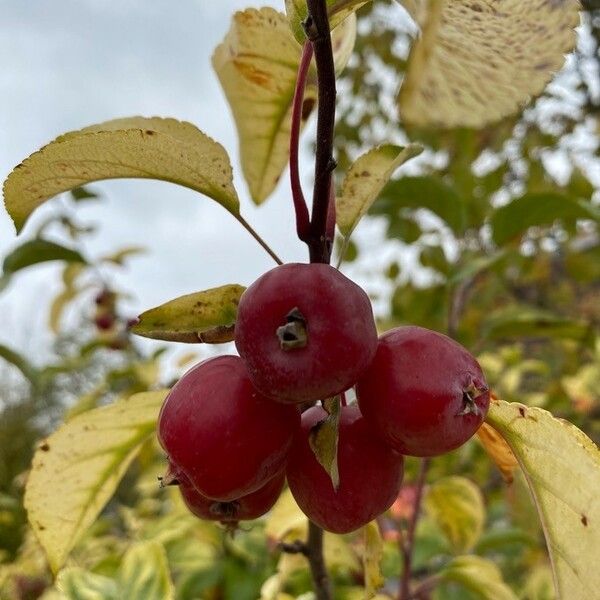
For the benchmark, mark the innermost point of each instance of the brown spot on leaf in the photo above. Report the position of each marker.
(45, 447)
(149, 132)
(522, 412)
(584, 520)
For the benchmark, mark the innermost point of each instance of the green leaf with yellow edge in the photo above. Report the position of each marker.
(337, 10)
(207, 316)
(77, 584)
(562, 467)
(144, 573)
(323, 440)
(365, 179)
(476, 62)
(372, 557)
(257, 66)
(38, 251)
(479, 576)
(456, 505)
(76, 470)
(136, 147)
(511, 221)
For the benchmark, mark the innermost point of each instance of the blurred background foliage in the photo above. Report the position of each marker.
(468, 251)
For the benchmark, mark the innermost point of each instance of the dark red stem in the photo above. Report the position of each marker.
(317, 31)
(300, 207)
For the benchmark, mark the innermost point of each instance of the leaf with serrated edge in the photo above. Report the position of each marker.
(77, 469)
(456, 505)
(364, 181)
(562, 467)
(136, 147)
(476, 62)
(257, 65)
(498, 450)
(478, 575)
(206, 316)
(323, 440)
(144, 573)
(373, 555)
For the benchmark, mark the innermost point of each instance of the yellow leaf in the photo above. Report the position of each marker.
(372, 559)
(135, 147)
(206, 316)
(562, 467)
(456, 505)
(77, 469)
(286, 522)
(476, 62)
(77, 584)
(257, 65)
(498, 450)
(144, 573)
(323, 440)
(478, 575)
(185, 359)
(365, 180)
(121, 255)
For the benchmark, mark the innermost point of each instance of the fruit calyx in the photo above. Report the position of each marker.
(470, 394)
(294, 334)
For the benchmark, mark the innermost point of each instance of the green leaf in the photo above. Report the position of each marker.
(373, 556)
(337, 10)
(257, 65)
(365, 180)
(424, 192)
(456, 505)
(134, 147)
(38, 251)
(562, 467)
(511, 221)
(19, 361)
(323, 440)
(144, 573)
(474, 64)
(206, 316)
(77, 469)
(81, 193)
(526, 321)
(478, 575)
(475, 266)
(77, 584)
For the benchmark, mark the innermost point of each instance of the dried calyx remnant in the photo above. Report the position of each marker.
(294, 334)
(470, 394)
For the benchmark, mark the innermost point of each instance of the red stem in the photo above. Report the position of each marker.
(300, 207)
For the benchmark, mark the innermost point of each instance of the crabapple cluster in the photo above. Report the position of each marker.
(234, 428)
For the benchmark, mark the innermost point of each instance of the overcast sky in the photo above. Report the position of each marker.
(71, 63)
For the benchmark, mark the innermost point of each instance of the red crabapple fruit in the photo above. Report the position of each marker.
(423, 394)
(305, 331)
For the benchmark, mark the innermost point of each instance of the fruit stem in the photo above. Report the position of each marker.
(318, 570)
(300, 207)
(317, 30)
(257, 237)
(408, 543)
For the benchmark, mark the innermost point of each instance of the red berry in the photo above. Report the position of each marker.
(424, 394)
(225, 437)
(305, 331)
(370, 474)
(248, 507)
(104, 321)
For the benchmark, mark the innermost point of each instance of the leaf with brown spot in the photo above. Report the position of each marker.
(323, 440)
(562, 468)
(478, 61)
(207, 316)
(498, 450)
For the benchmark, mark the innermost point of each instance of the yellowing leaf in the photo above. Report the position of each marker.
(456, 505)
(478, 575)
(498, 450)
(144, 573)
(476, 62)
(78, 584)
(365, 180)
(286, 522)
(121, 255)
(135, 147)
(257, 65)
(323, 440)
(206, 316)
(372, 558)
(562, 467)
(77, 469)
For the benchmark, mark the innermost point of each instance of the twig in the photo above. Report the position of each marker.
(257, 237)
(300, 207)
(409, 542)
(317, 31)
(318, 569)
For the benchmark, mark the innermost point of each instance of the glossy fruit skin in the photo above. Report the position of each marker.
(342, 337)
(370, 474)
(246, 508)
(226, 437)
(413, 392)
